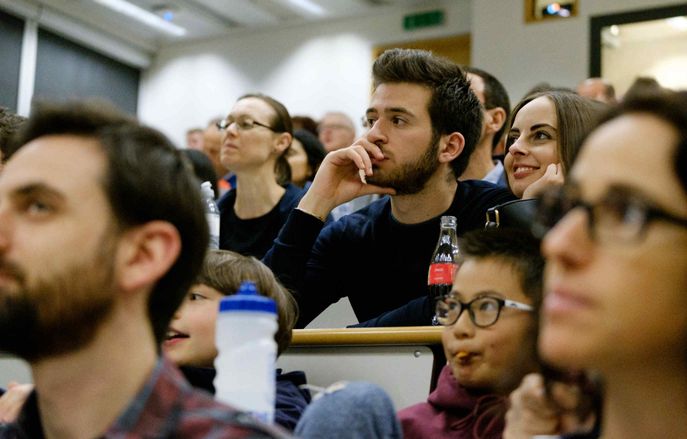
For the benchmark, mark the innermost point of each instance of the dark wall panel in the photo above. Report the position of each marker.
(65, 70)
(11, 36)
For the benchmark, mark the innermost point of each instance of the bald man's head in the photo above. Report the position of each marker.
(598, 89)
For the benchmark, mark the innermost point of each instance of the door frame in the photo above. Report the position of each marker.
(597, 23)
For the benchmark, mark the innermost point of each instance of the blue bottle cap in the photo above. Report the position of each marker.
(247, 299)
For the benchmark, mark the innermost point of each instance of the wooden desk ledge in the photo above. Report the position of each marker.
(408, 335)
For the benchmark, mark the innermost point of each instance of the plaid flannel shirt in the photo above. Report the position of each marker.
(167, 406)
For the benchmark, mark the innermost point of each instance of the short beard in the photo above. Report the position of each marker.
(59, 313)
(411, 178)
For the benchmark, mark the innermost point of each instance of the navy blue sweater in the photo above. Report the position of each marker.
(379, 263)
(253, 237)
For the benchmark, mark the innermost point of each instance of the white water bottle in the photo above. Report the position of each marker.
(211, 213)
(247, 352)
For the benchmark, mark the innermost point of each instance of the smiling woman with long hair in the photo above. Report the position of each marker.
(544, 132)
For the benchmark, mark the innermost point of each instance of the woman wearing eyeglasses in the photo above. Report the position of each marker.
(616, 273)
(256, 135)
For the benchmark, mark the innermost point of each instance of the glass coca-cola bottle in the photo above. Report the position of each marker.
(444, 262)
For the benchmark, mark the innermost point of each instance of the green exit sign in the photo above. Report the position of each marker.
(423, 19)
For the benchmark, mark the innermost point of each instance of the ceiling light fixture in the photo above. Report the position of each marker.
(143, 16)
(308, 6)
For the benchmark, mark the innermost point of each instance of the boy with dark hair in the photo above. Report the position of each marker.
(489, 337)
(489, 342)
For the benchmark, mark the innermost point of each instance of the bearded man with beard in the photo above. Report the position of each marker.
(102, 232)
(423, 123)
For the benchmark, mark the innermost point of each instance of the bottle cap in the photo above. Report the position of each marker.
(448, 221)
(206, 188)
(248, 299)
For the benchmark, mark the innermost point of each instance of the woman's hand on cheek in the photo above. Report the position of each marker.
(552, 177)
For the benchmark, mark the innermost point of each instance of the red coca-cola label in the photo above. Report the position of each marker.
(441, 273)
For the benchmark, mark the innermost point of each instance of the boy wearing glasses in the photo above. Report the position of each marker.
(488, 337)
(489, 341)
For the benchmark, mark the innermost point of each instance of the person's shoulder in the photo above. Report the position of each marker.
(202, 416)
(169, 406)
(484, 190)
(480, 185)
(418, 411)
(416, 420)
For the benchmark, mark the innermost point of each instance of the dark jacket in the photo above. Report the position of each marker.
(368, 256)
(291, 400)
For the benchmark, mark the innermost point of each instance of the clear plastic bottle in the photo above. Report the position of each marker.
(211, 213)
(247, 352)
(445, 260)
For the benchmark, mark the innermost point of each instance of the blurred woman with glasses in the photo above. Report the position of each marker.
(256, 135)
(616, 274)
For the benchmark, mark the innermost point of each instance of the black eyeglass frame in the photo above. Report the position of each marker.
(502, 303)
(649, 211)
(225, 124)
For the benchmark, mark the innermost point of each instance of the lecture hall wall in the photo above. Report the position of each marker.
(327, 66)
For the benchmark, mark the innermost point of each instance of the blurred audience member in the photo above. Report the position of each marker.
(9, 124)
(194, 139)
(304, 123)
(102, 232)
(212, 143)
(304, 156)
(495, 109)
(336, 130)
(597, 89)
(616, 258)
(545, 86)
(202, 168)
(643, 85)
